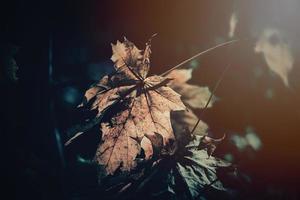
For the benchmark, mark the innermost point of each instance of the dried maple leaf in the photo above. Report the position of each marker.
(132, 109)
(193, 96)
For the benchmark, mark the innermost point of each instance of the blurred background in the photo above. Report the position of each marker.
(64, 47)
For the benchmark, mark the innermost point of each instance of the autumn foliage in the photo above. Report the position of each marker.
(145, 124)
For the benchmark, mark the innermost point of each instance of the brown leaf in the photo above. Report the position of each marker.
(93, 91)
(135, 110)
(187, 119)
(129, 60)
(148, 113)
(193, 96)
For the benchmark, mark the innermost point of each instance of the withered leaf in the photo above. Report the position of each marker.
(187, 119)
(134, 109)
(193, 96)
(188, 174)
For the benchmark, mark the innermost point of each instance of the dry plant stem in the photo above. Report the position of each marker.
(210, 97)
(199, 54)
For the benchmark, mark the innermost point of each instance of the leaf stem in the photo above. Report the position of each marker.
(199, 54)
(210, 97)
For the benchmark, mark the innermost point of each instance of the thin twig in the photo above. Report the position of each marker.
(199, 54)
(210, 98)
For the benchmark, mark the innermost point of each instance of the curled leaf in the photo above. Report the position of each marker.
(210, 144)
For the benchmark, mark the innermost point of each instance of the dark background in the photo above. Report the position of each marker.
(65, 46)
